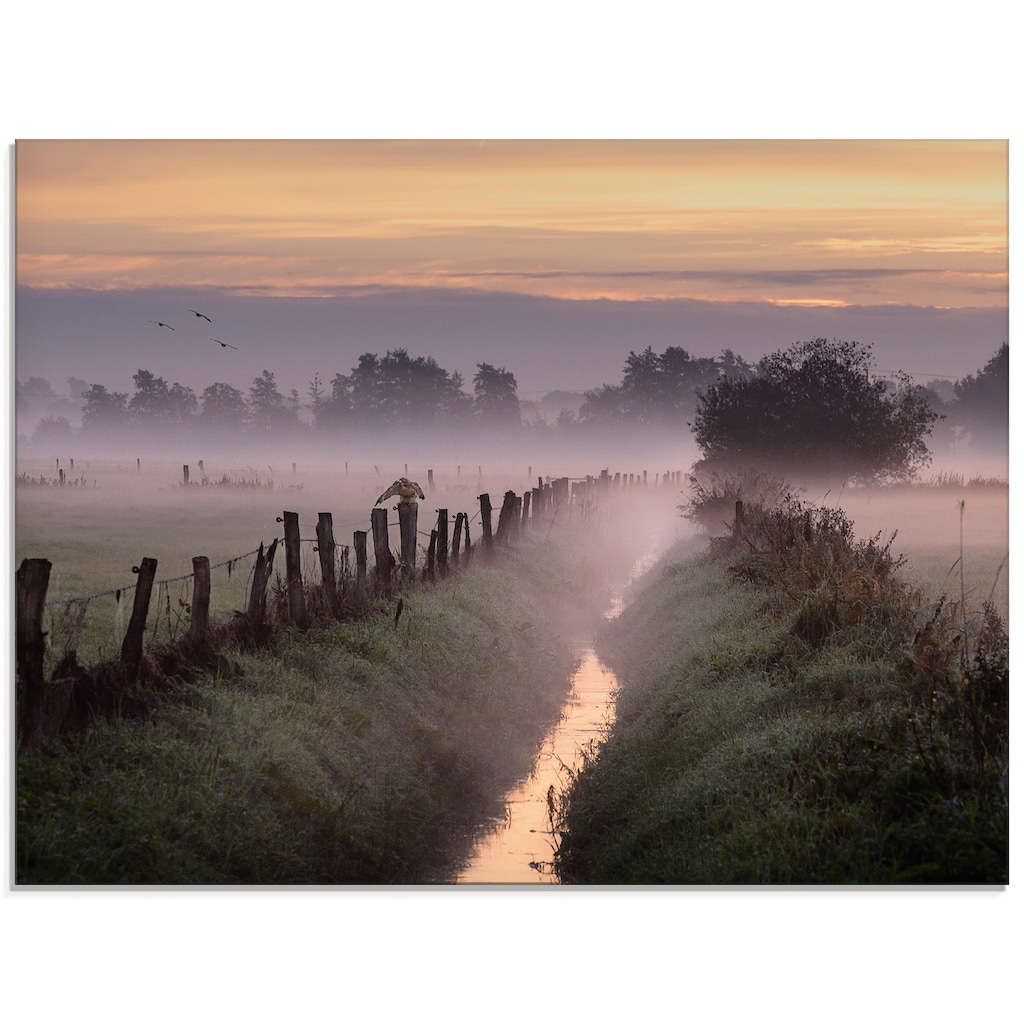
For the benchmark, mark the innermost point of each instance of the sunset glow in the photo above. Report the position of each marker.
(831, 223)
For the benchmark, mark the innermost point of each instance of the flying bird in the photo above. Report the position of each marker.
(405, 490)
(203, 315)
(224, 344)
(159, 324)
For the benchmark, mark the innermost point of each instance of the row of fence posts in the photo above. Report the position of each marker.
(517, 512)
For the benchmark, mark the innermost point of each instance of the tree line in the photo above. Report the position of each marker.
(783, 403)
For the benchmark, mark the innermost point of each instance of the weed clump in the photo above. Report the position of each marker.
(793, 712)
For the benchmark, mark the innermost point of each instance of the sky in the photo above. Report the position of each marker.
(552, 258)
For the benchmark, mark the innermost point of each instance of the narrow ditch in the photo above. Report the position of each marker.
(519, 847)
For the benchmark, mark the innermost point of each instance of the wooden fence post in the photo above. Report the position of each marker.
(407, 520)
(326, 550)
(457, 537)
(431, 555)
(467, 545)
(31, 581)
(293, 569)
(200, 624)
(485, 523)
(184, 476)
(442, 541)
(527, 495)
(505, 517)
(430, 478)
(131, 649)
(359, 543)
(257, 608)
(381, 550)
(517, 518)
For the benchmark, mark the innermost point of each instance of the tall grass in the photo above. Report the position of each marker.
(357, 753)
(793, 712)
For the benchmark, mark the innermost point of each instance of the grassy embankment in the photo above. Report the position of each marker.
(355, 753)
(793, 711)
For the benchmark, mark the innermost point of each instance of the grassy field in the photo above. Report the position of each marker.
(361, 752)
(796, 713)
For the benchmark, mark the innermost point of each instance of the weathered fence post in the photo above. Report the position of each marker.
(381, 550)
(359, 543)
(31, 581)
(257, 607)
(430, 478)
(293, 569)
(326, 550)
(485, 523)
(526, 507)
(466, 547)
(505, 517)
(442, 541)
(538, 508)
(200, 624)
(407, 519)
(457, 537)
(517, 518)
(431, 553)
(184, 476)
(131, 649)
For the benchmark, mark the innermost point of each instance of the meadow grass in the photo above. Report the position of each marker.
(355, 753)
(795, 713)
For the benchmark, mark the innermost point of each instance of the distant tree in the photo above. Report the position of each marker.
(223, 406)
(495, 401)
(104, 410)
(337, 409)
(53, 432)
(660, 389)
(36, 387)
(155, 402)
(400, 392)
(78, 386)
(317, 398)
(267, 408)
(816, 410)
(982, 403)
(182, 404)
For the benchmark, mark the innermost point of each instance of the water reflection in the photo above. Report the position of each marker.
(519, 849)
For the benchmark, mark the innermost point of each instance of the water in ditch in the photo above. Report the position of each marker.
(518, 848)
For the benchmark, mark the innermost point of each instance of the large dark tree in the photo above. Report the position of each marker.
(816, 409)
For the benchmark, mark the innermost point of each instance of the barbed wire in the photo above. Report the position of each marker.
(156, 583)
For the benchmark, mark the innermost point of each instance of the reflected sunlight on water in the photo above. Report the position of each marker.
(520, 848)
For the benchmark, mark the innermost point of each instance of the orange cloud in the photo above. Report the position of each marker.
(308, 216)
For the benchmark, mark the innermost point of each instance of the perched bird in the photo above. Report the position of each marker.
(159, 324)
(224, 344)
(203, 315)
(405, 490)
